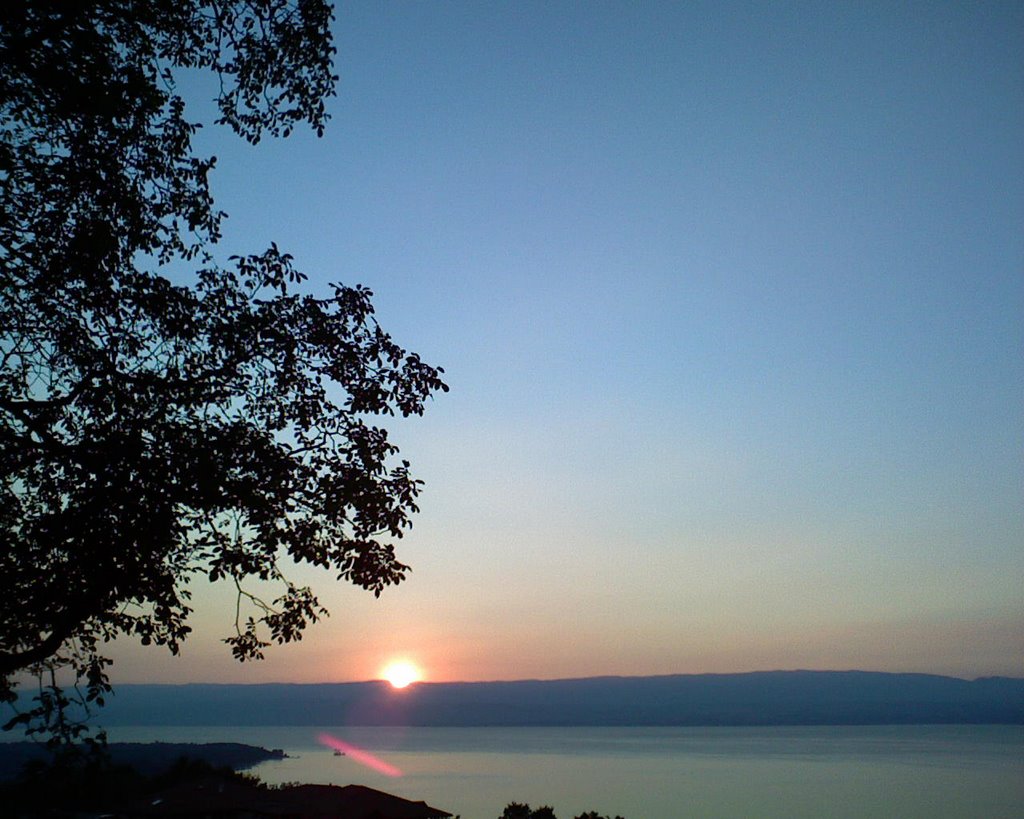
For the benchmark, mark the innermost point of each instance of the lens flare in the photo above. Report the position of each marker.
(357, 754)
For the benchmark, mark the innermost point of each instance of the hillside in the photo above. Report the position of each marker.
(761, 698)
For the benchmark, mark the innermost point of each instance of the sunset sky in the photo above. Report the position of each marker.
(730, 297)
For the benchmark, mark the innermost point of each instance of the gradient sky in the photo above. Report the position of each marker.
(730, 299)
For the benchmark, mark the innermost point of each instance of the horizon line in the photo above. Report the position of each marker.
(381, 681)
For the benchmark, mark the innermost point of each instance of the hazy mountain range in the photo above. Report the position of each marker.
(760, 698)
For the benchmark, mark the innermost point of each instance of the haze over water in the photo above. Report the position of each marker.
(930, 772)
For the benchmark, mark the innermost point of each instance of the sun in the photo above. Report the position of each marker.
(401, 673)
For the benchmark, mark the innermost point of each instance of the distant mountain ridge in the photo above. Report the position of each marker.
(756, 698)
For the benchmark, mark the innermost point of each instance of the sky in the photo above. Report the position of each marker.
(729, 298)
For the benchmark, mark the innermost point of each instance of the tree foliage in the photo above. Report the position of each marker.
(156, 424)
(521, 810)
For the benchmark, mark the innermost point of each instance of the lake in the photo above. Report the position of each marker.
(659, 773)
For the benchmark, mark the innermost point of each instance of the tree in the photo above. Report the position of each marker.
(157, 425)
(595, 815)
(521, 810)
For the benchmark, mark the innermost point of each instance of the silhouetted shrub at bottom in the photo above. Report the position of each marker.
(189, 769)
(595, 815)
(520, 810)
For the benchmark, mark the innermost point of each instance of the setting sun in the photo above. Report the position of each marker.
(401, 673)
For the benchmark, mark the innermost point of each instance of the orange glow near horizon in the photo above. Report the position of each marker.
(401, 673)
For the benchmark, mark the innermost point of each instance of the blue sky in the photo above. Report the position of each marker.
(729, 297)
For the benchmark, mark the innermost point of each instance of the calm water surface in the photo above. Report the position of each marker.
(662, 773)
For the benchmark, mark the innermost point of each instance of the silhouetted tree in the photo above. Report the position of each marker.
(521, 810)
(516, 810)
(163, 415)
(595, 815)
